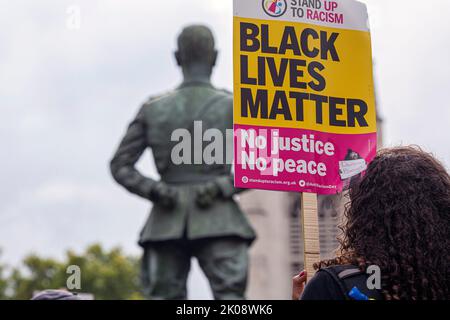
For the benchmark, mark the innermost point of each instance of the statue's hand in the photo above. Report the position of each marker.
(163, 195)
(206, 194)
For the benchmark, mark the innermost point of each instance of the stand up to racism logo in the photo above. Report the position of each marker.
(274, 8)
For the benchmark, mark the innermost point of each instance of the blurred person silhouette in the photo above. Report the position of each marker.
(55, 295)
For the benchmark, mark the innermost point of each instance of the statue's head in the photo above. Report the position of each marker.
(196, 48)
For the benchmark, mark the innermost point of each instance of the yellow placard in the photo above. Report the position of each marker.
(331, 71)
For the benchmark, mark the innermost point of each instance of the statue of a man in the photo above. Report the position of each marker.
(194, 214)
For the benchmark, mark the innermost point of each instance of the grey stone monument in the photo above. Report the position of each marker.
(194, 213)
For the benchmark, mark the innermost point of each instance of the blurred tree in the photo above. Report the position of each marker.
(107, 275)
(3, 282)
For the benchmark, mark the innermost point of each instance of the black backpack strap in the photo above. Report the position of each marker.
(347, 277)
(335, 275)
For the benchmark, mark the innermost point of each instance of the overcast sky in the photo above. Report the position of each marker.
(67, 95)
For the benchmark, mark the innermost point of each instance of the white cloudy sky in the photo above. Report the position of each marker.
(67, 95)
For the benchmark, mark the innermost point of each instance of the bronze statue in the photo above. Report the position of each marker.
(194, 214)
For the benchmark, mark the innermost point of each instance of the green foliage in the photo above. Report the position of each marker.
(108, 275)
(3, 283)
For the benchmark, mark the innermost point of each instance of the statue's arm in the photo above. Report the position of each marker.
(226, 186)
(123, 163)
(226, 183)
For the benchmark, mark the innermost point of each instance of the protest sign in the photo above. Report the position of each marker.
(304, 103)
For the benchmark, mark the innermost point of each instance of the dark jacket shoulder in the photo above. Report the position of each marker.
(322, 287)
(336, 282)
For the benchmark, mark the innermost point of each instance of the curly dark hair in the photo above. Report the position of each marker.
(398, 218)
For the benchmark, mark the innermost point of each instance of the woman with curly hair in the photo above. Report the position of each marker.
(398, 220)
